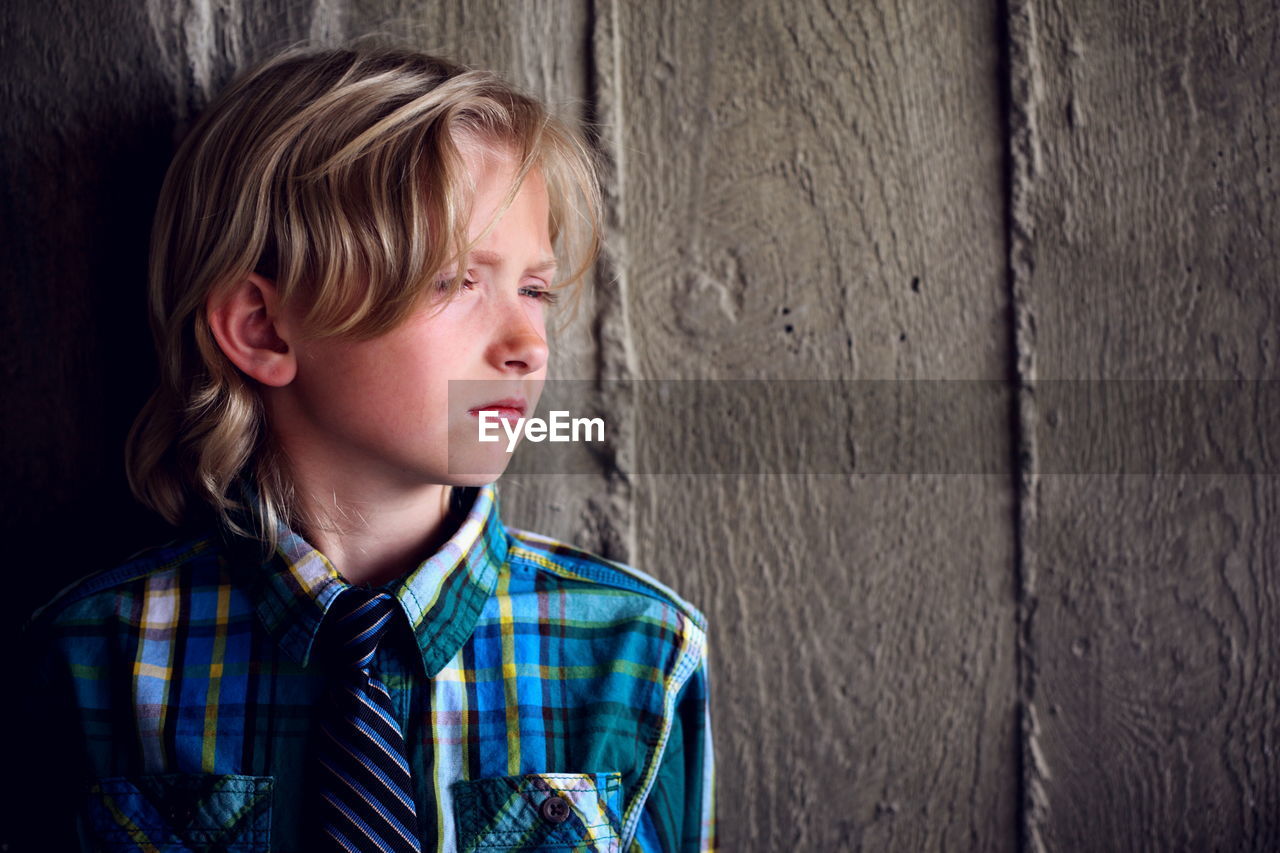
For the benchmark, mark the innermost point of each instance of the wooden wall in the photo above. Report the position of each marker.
(1011, 192)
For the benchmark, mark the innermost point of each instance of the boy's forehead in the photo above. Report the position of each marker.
(489, 258)
(509, 218)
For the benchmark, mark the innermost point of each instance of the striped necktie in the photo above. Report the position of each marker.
(366, 790)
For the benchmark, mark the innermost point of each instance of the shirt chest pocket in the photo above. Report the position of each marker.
(180, 812)
(539, 811)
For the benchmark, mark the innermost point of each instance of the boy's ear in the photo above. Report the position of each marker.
(250, 328)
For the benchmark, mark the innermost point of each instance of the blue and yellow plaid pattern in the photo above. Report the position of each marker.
(184, 693)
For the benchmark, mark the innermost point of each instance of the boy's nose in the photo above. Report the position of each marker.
(519, 347)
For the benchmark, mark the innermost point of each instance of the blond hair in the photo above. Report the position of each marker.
(340, 175)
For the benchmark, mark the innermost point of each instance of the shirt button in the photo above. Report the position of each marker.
(554, 809)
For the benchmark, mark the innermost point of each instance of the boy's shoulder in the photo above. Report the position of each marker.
(103, 589)
(544, 553)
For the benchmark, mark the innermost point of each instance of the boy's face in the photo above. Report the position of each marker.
(377, 416)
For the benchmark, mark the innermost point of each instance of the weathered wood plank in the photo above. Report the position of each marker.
(815, 191)
(1152, 247)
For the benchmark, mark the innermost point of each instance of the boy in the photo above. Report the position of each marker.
(350, 651)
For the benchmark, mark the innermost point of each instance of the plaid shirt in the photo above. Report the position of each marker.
(182, 688)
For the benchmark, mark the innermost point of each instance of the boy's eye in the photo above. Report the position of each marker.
(540, 294)
(444, 282)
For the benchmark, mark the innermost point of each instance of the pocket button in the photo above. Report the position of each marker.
(554, 809)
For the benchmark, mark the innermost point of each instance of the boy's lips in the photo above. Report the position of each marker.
(507, 408)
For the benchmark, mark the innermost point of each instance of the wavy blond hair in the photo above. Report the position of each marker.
(339, 174)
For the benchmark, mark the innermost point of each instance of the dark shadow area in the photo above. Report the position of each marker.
(85, 156)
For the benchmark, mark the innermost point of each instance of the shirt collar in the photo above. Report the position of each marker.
(293, 588)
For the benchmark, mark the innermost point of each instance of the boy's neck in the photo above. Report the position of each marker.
(380, 541)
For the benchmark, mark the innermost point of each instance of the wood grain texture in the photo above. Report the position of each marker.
(814, 191)
(1152, 254)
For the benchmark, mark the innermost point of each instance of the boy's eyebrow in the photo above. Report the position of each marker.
(493, 259)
